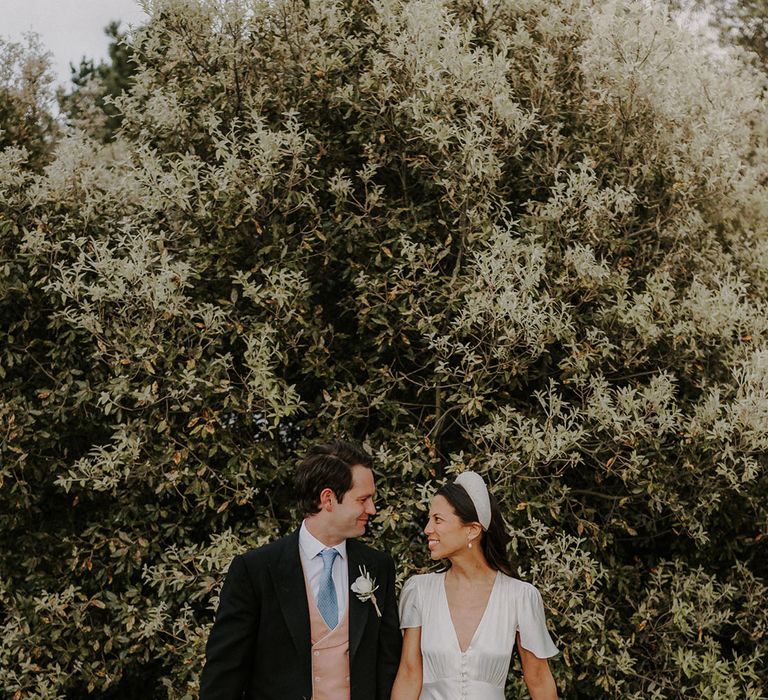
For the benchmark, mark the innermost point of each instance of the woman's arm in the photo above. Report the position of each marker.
(408, 680)
(537, 675)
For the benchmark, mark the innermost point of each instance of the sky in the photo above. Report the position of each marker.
(69, 29)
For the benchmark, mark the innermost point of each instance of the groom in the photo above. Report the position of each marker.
(288, 625)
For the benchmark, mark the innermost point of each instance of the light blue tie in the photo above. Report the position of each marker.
(326, 594)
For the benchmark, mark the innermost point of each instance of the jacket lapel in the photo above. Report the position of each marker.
(358, 611)
(288, 579)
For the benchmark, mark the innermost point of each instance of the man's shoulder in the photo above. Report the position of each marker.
(371, 553)
(271, 551)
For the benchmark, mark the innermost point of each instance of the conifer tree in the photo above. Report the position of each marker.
(89, 105)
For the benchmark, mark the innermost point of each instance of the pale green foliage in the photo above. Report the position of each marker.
(680, 615)
(526, 238)
(26, 99)
(739, 23)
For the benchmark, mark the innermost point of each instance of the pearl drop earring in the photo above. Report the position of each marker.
(469, 544)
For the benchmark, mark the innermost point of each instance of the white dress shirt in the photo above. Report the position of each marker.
(309, 549)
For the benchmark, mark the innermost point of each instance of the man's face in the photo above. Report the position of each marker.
(348, 518)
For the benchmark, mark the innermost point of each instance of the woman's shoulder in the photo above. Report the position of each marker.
(430, 578)
(531, 623)
(519, 589)
(423, 581)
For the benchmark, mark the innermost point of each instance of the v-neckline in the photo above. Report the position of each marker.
(482, 617)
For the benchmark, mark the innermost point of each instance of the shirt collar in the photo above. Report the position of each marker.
(311, 546)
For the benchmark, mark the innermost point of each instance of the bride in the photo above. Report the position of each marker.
(460, 625)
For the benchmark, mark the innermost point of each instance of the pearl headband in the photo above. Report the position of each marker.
(477, 491)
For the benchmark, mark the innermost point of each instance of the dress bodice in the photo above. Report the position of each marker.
(480, 672)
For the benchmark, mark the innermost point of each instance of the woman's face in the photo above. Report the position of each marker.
(446, 534)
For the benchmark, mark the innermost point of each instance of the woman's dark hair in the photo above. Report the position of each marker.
(327, 466)
(495, 539)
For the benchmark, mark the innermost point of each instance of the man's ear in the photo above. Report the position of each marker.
(327, 499)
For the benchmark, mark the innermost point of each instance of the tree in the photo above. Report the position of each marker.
(743, 23)
(746, 23)
(89, 106)
(26, 120)
(526, 238)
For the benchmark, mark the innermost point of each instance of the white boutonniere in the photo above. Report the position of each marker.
(365, 587)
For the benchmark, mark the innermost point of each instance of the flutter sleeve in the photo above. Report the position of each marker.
(410, 604)
(532, 624)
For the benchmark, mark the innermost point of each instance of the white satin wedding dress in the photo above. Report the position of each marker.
(480, 672)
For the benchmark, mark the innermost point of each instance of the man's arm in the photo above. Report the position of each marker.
(230, 644)
(390, 639)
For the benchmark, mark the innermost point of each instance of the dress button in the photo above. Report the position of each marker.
(317, 678)
(317, 653)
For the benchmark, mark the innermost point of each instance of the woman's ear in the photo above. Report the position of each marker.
(474, 532)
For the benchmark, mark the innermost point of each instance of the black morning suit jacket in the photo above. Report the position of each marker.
(259, 646)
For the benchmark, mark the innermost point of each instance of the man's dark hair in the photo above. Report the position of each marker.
(327, 466)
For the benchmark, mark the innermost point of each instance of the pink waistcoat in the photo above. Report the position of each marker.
(330, 655)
